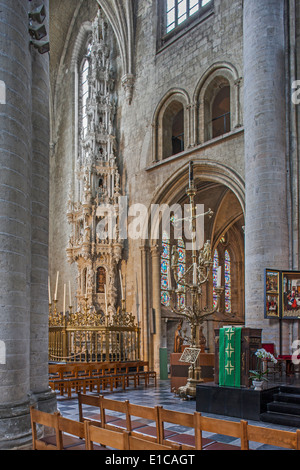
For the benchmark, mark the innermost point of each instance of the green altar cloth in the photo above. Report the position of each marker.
(230, 356)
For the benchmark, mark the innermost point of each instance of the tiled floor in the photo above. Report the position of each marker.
(161, 395)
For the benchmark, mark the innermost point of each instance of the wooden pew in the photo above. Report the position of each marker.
(90, 376)
(236, 429)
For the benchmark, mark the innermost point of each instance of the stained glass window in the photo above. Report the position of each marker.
(85, 89)
(227, 269)
(165, 270)
(181, 271)
(215, 270)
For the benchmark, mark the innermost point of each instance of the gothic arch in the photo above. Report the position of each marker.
(210, 174)
(171, 103)
(218, 75)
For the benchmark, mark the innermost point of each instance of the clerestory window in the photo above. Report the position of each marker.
(178, 11)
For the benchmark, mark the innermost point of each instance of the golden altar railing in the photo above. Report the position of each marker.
(87, 337)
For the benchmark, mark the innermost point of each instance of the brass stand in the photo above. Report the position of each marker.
(194, 313)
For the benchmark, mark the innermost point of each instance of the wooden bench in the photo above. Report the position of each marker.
(120, 440)
(187, 420)
(56, 432)
(128, 410)
(91, 376)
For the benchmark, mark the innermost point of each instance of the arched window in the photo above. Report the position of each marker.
(221, 112)
(215, 274)
(173, 129)
(101, 280)
(227, 271)
(166, 270)
(84, 89)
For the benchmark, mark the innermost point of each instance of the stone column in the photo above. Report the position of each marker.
(15, 172)
(266, 227)
(23, 245)
(39, 379)
(156, 304)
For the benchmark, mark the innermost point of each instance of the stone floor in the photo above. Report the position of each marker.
(162, 395)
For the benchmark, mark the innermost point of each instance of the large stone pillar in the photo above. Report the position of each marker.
(18, 170)
(39, 330)
(266, 227)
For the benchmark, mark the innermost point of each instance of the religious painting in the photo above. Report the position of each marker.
(272, 294)
(101, 280)
(290, 294)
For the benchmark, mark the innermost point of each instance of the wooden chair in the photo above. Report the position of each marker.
(274, 437)
(218, 426)
(90, 400)
(45, 430)
(105, 438)
(135, 443)
(188, 420)
(149, 431)
(110, 421)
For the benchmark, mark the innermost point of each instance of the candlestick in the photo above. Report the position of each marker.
(121, 282)
(64, 310)
(219, 276)
(56, 287)
(70, 297)
(49, 290)
(105, 299)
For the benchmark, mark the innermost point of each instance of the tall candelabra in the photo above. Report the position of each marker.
(192, 282)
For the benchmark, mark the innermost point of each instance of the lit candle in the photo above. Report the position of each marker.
(70, 297)
(64, 299)
(105, 299)
(219, 276)
(49, 290)
(121, 284)
(56, 287)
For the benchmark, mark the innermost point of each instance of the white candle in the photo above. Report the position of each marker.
(219, 276)
(105, 298)
(70, 297)
(121, 284)
(64, 299)
(195, 274)
(56, 287)
(169, 279)
(49, 290)
(86, 284)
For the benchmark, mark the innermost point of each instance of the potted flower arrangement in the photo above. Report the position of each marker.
(259, 376)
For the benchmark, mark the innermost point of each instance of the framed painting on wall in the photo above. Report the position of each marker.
(272, 294)
(290, 297)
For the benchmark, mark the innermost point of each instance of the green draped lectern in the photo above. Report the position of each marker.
(235, 349)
